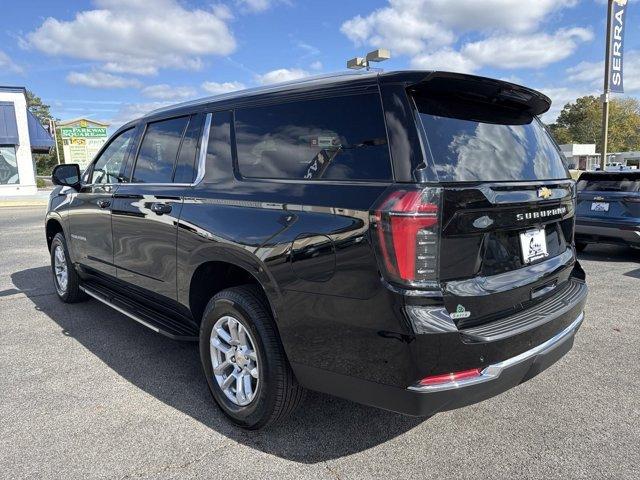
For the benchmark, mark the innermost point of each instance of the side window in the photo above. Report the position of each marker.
(108, 168)
(341, 138)
(219, 159)
(186, 166)
(158, 151)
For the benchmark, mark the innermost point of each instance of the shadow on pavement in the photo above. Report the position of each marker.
(610, 253)
(323, 428)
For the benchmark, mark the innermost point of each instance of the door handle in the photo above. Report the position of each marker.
(104, 203)
(160, 208)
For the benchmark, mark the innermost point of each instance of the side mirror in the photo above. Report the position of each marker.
(66, 175)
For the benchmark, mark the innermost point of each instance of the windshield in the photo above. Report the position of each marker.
(602, 182)
(472, 142)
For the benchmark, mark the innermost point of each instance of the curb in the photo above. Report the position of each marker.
(23, 203)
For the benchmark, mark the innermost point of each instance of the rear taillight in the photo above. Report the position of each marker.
(406, 225)
(450, 377)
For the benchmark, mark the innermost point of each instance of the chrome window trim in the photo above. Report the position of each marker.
(202, 160)
(204, 145)
(493, 371)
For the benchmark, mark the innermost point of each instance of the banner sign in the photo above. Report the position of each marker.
(618, 18)
(89, 132)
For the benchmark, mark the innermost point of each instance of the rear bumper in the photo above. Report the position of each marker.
(508, 352)
(607, 232)
(425, 401)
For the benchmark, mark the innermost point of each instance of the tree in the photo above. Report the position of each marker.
(42, 111)
(580, 122)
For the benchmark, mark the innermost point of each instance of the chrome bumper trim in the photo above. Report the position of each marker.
(493, 371)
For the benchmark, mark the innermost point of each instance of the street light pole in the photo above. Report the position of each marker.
(605, 94)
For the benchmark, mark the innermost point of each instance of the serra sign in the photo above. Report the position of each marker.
(86, 132)
(616, 46)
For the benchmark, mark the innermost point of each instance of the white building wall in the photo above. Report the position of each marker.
(27, 185)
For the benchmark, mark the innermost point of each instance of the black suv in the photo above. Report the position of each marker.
(403, 240)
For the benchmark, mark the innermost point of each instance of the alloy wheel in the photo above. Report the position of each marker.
(234, 360)
(60, 269)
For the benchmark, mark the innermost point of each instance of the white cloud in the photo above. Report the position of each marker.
(317, 65)
(164, 91)
(131, 111)
(256, 6)
(592, 73)
(400, 30)
(560, 96)
(428, 31)
(421, 26)
(216, 88)
(281, 75)
(98, 79)
(526, 51)
(6, 63)
(130, 36)
(444, 59)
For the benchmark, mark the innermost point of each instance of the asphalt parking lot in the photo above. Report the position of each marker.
(87, 393)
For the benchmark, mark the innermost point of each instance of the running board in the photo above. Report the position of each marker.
(155, 321)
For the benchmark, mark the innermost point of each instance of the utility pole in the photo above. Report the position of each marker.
(605, 94)
(52, 128)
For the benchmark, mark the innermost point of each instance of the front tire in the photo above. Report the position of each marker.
(244, 361)
(65, 277)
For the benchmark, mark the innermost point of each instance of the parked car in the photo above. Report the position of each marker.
(608, 208)
(403, 240)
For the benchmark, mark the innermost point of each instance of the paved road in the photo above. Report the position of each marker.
(87, 393)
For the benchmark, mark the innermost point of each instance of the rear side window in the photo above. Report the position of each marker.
(342, 138)
(482, 143)
(158, 151)
(613, 182)
(186, 165)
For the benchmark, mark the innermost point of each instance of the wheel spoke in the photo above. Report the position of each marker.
(252, 355)
(227, 382)
(254, 372)
(242, 336)
(248, 391)
(218, 345)
(223, 335)
(219, 370)
(233, 330)
(240, 396)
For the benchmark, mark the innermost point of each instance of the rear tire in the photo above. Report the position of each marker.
(580, 246)
(246, 342)
(65, 277)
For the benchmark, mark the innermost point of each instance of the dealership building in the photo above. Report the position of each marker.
(21, 135)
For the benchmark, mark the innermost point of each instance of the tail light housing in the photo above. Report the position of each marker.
(406, 226)
(450, 377)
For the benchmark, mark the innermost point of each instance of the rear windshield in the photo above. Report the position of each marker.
(602, 182)
(476, 142)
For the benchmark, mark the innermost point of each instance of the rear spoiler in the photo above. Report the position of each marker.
(488, 91)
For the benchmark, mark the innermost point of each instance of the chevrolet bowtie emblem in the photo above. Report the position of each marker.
(545, 193)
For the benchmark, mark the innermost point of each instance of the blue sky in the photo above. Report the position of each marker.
(115, 59)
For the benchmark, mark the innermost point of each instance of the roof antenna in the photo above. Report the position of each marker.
(379, 55)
